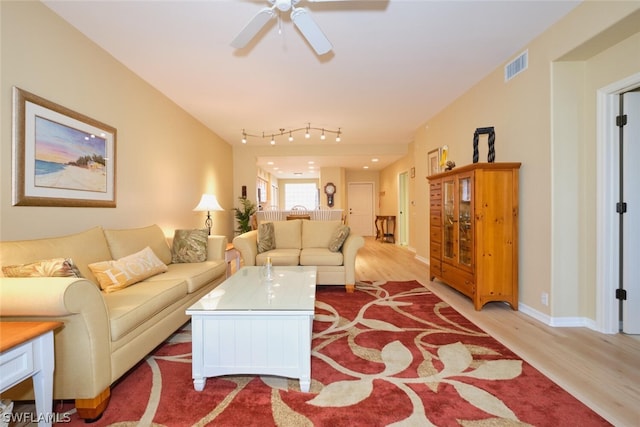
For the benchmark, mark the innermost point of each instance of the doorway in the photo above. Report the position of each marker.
(614, 257)
(361, 207)
(403, 209)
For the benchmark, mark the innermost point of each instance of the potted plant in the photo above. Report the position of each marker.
(243, 215)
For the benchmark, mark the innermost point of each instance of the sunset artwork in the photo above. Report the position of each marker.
(68, 158)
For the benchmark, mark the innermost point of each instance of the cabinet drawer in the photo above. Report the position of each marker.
(435, 235)
(459, 279)
(16, 365)
(435, 219)
(435, 250)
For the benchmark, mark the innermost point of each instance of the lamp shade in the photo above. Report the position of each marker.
(208, 202)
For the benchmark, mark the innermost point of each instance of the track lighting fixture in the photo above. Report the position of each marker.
(282, 131)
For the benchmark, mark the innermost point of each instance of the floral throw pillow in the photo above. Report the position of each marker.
(55, 267)
(338, 237)
(116, 275)
(266, 237)
(189, 246)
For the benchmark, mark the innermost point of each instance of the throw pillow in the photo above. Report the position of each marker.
(266, 237)
(115, 275)
(189, 246)
(338, 237)
(55, 267)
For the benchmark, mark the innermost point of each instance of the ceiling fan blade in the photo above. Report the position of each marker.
(311, 31)
(253, 27)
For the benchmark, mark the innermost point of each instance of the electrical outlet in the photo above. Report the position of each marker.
(544, 298)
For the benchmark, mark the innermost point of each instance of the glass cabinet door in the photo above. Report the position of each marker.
(465, 231)
(449, 220)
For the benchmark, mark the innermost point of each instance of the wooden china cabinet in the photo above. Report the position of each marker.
(474, 231)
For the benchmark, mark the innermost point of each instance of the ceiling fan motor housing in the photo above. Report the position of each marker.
(285, 5)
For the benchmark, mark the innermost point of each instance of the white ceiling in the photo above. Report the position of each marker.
(394, 64)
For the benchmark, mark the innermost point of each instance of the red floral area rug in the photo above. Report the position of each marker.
(389, 354)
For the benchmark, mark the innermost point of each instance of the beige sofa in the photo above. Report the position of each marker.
(305, 242)
(103, 334)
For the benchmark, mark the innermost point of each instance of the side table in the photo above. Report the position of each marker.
(231, 254)
(386, 228)
(26, 350)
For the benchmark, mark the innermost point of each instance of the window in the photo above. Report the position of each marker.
(261, 185)
(301, 194)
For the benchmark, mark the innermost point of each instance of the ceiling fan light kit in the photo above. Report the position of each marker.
(300, 17)
(289, 132)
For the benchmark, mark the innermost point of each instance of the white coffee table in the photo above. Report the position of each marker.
(251, 326)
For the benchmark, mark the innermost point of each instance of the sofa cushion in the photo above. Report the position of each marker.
(320, 256)
(135, 305)
(55, 267)
(116, 275)
(84, 248)
(287, 234)
(280, 257)
(317, 234)
(129, 241)
(266, 237)
(189, 246)
(196, 274)
(338, 237)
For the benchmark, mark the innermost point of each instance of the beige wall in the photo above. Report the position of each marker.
(545, 118)
(165, 158)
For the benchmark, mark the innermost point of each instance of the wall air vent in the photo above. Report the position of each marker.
(516, 66)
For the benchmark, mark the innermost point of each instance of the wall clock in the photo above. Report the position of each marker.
(330, 190)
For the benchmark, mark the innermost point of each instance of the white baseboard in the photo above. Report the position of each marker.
(422, 259)
(558, 322)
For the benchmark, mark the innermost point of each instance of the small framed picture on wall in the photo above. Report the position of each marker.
(433, 159)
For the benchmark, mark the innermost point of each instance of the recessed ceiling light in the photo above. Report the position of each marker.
(311, 162)
(269, 163)
(375, 159)
(365, 167)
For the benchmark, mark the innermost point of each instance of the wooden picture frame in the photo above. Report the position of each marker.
(433, 161)
(60, 157)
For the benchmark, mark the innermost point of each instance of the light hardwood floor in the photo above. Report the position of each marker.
(602, 371)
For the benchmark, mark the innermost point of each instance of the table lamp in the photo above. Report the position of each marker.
(208, 203)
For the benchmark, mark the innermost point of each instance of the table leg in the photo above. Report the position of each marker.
(199, 383)
(43, 379)
(197, 354)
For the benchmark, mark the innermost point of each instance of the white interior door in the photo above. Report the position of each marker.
(631, 219)
(361, 207)
(403, 209)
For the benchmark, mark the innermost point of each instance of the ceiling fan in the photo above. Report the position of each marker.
(300, 17)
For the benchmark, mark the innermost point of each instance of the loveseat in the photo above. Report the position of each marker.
(304, 242)
(106, 331)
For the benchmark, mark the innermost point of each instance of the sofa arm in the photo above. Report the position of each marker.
(216, 247)
(82, 345)
(349, 251)
(247, 244)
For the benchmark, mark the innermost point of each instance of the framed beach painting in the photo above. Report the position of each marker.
(60, 157)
